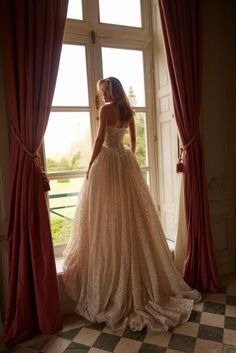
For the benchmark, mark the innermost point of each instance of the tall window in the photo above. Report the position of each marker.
(101, 39)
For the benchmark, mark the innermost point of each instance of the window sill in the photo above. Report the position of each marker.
(171, 245)
(59, 265)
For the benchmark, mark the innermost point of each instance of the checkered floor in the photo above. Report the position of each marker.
(211, 329)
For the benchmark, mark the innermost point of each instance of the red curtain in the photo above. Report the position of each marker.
(183, 36)
(32, 34)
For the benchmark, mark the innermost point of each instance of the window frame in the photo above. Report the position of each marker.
(78, 32)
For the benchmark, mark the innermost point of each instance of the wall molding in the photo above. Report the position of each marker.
(215, 184)
(222, 218)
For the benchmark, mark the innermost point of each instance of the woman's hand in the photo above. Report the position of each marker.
(87, 174)
(100, 137)
(88, 171)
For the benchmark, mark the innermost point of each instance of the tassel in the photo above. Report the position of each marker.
(45, 181)
(180, 165)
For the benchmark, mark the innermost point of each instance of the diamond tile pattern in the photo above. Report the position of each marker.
(210, 329)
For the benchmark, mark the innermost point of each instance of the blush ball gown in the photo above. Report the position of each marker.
(117, 265)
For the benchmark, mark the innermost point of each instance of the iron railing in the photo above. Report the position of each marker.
(57, 196)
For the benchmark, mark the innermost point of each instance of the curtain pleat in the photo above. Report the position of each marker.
(182, 30)
(32, 35)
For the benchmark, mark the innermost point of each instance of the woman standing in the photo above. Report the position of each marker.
(118, 268)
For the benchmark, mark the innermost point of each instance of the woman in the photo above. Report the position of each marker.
(118, 268)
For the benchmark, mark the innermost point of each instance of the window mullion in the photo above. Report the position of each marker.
(63, 175)
(70, 109)
(93, 65)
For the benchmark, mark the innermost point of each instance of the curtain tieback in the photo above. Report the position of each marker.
(180, 165)
(36, 157)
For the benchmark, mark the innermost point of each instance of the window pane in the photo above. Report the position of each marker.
(62, 201)
(75, 10)
(122, 12)
(141, 139)
(71, 87)
(146, 177)
(127, 66)
(68, 141)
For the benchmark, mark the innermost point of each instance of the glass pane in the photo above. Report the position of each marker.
(122, 12)
(62, 202)
(146, 177)
(141, 139)
(127, 66)
(67, 141)
(75, 10)
(71, 87)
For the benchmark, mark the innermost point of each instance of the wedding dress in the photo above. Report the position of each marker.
(117, 265)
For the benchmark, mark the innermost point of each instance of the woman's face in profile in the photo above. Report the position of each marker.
(104, 90)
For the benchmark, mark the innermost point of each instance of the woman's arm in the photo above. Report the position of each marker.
(132, 134)
(100, 137)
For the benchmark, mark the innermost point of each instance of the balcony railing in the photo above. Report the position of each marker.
(63, 195)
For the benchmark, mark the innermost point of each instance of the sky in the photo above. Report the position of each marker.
(65, 130)
(111, 11)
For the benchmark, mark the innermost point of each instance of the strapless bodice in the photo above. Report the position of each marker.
(114, 138)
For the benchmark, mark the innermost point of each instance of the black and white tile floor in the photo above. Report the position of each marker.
(210, 329)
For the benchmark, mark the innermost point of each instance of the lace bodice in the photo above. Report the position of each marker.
(114, 138)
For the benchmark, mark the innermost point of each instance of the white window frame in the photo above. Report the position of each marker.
(79, 32)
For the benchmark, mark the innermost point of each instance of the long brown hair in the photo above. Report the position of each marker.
(118, 96)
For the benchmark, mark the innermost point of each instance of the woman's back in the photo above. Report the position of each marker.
(113, 116)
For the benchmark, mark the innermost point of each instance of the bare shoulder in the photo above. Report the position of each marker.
(105, 108)
(103, 113)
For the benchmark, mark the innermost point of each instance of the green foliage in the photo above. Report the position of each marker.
(65, 163)
(60, 229)
(75, 160)
(131, 96)
(51, 164)
(140, 131)
(140, 136)
(140, 139)
(63, 180)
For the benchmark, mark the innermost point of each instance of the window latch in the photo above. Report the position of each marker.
(93, 37)
(97, 104)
